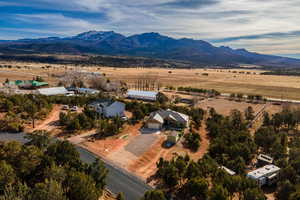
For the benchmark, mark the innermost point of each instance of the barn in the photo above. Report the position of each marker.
(142, 95)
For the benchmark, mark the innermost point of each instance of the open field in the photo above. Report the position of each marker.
(222, 80)
(225, 80)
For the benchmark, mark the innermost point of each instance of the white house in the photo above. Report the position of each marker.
(266, 175)
(168, 118)
(109, 108)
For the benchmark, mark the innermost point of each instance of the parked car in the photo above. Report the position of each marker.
(65, 107)
(74, 108)
(124, 118)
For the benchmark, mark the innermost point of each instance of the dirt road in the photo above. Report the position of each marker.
(49, 123)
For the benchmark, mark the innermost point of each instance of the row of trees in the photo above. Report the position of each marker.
(44, 170)
(240, 96)
(199, 90)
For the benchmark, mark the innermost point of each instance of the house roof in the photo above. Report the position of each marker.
(157, 117)
(263, 172)
(173, 115)
(87, 90)
(161, 115)
(105, 103)
(53, 91)
(150, 94)
(101, 102)
(116, 103)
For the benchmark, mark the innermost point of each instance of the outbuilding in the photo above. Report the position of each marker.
(173, 137)
(142, 95)
(263, 160)
(53, 91)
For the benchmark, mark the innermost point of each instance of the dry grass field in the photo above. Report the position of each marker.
(225, 81)
(221, 80)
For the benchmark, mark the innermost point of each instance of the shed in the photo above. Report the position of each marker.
(263, 159)
(173, 137)
(53, 91)
(228, 171)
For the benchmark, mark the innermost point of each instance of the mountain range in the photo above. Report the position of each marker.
(151, 45)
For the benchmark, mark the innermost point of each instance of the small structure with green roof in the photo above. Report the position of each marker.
(27, 84)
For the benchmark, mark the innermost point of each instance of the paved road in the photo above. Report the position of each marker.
(117, 180)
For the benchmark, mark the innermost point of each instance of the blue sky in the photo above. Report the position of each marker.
(265, 26)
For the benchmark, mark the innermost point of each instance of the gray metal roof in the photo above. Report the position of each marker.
(151, 94)
(53, 91)
(163, 114)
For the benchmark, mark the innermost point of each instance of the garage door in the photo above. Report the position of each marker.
(153, 126)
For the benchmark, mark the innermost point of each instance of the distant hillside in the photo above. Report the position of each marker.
(151, 45)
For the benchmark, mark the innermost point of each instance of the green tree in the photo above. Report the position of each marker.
(28, 160)
(267, 120)
(218, 193)
(18, 191)
(154, 195)
(253, 194)
(295, 195)
(40, 139)
(7, 175)
(82, 187)
(284, 190)
(49, 190)
(196, 188)
(240, 96)
(54, 172)
(249, 113)
(64, 153)
(32, 111)
(98, 171)
(192, 141)
(120, 196)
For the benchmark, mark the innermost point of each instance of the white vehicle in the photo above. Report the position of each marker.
(124, 118)
(65, 107)
(74, 108)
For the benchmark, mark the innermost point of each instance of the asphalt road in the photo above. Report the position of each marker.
(117, 181)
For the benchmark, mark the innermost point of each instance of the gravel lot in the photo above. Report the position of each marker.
(141, 144)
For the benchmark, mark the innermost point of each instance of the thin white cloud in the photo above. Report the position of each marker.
(219, 19)
(57, 23)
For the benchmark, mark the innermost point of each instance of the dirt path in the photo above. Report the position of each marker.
(49, 123)
(77, 139)
(204, 142)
